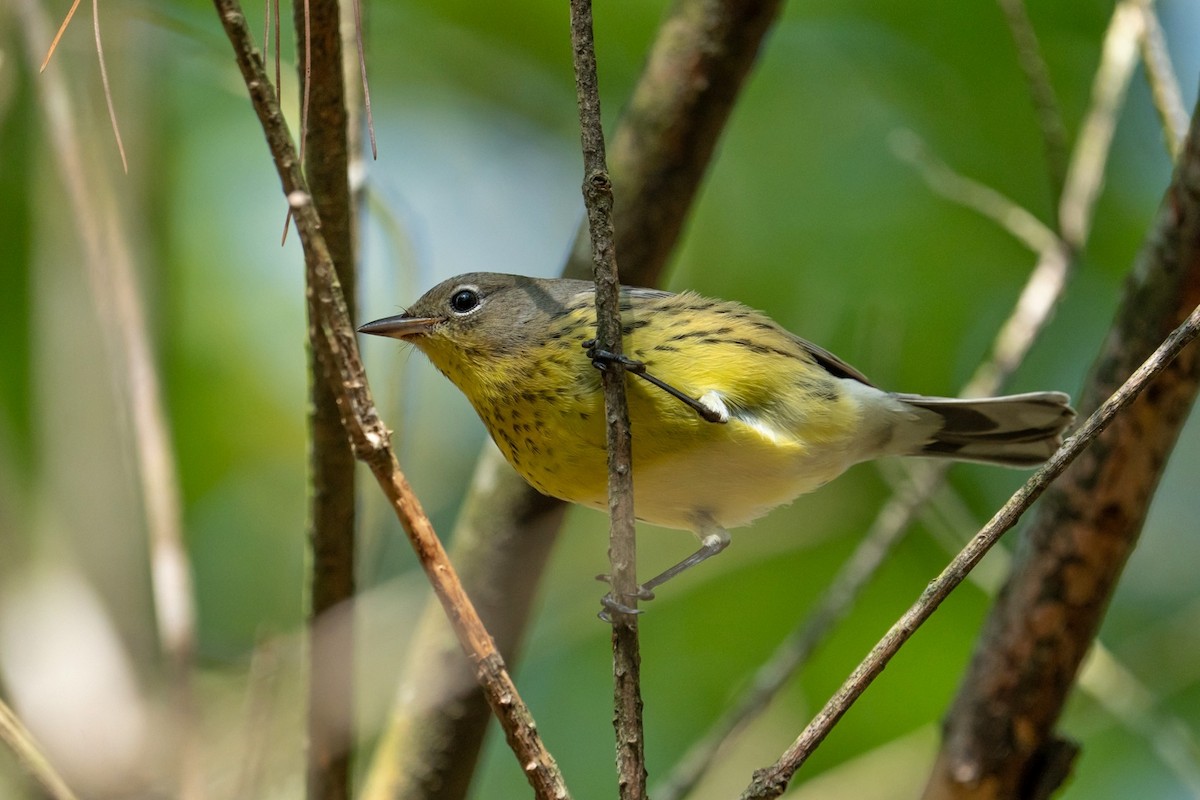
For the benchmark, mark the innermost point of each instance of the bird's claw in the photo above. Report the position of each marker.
(601, 359)
(612, 605)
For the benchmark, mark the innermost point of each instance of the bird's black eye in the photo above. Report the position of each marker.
(464, 300)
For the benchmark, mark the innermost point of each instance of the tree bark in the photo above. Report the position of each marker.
(999, 738)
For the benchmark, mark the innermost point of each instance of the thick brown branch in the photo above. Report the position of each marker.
(331, 463)
(1000, 731)
(370, 440)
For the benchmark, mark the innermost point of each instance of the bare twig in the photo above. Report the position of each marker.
(1024, 226)
(305, 28)
(622, 547)
(112, 114)
(658, 155)
(62, 28)
(1103, 677)
(368, 435)
(108, 98)
(362, 69)
(1000, 730)
(1045, 102)
(22, 743)
(772, 781)
(278, 59)
(890, 525)
(1164, 86)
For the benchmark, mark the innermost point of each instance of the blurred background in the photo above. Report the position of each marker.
(807, 213)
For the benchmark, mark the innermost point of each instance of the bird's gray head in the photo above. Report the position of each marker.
(467, 320)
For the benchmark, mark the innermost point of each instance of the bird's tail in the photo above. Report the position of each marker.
(1020, 430)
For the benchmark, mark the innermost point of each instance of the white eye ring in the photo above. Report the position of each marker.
(465, 300)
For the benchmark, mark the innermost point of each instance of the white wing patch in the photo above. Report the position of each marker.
(762, 429)
(713, 402)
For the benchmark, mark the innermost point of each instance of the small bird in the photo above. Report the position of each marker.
(731, 415)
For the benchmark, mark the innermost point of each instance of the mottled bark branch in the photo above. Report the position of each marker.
(370, 440)
(331, 462)
(622, 544)
(999, 737)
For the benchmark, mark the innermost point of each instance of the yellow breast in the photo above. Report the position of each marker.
(792, 425)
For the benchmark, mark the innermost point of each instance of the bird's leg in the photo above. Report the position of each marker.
(713, 539)
(602, 358)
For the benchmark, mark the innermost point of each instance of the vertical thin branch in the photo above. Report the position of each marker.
(1045, 102)
(598, 197)
(360, 47)
(370, 439)
(326, 157)
(108, 98)
(658, 155)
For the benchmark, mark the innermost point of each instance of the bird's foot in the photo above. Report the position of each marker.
(613, 603)
(603, 359)
(710, 408)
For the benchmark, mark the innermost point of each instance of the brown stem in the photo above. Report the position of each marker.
(331, 463)
(658, 156)
(370, 440)
(772, 781)
(622, 547)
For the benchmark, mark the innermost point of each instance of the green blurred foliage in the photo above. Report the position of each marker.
(805, 213)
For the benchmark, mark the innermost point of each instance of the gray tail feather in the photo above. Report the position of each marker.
(1020, 430)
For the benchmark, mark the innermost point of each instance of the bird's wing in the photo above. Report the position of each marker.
(831, 363)
(639, 293)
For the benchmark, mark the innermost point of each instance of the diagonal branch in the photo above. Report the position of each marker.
(1033, 310)
(1000, 731)
(14, 733)
(370, 439)
(1164, 86)
(772, 781)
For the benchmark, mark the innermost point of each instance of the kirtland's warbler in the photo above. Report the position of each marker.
(735, 415)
